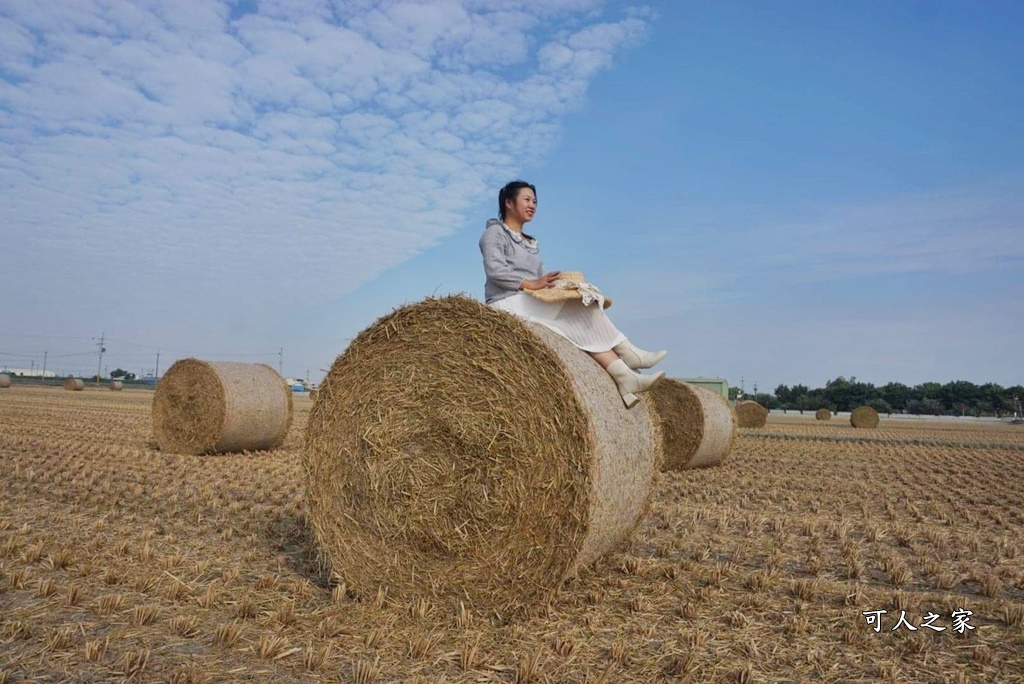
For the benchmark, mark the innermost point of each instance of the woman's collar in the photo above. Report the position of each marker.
(519, 236)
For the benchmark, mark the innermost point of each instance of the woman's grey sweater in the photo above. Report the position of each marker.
(507, 262)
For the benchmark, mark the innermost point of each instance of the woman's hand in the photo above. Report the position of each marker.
(545, 281)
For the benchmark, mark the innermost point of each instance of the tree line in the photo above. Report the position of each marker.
(959, 397)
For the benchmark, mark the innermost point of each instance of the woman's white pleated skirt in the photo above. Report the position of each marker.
(587, 327)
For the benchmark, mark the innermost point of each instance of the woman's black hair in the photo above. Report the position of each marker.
(511, 192)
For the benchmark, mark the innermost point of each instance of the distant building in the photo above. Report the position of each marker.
(719, 385)
(27, 372)
(297, 385)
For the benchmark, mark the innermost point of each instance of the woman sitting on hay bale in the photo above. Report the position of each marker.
(561, 301)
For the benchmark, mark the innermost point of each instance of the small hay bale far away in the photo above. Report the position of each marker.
(5, 381)
(698, 426)
(116, 385)
(750, 414)
(203, 407)
(74, 384)
(455, 450)
(864, 417)
(823, 414)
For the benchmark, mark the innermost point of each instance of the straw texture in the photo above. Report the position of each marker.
(823, 414)
(220, 406)
(698, 426)
(750, 414)
(5, 381)
(458, 451)
(74, 384)
(116, 385)
(864, 417)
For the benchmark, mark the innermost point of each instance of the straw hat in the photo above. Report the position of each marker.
(571, 285)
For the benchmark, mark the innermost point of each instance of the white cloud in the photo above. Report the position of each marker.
(244, 164)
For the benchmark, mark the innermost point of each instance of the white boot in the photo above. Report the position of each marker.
(637, 358)
(629, 383)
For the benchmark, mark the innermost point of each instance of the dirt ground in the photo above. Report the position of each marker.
(120, 562)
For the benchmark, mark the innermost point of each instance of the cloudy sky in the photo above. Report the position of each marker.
(782, 192)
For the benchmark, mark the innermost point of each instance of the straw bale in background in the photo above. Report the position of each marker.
(220, 406)
(116, 385)
(750, 414)
(458, 451)
(823, 414)
(74, 384)
(864, 417)
(698, 426)
(5, 381)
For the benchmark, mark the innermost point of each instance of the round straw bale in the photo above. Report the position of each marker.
(116, 385)
(455, 450)
(5, 381)
(74, 384)
(864, 417)
(750, 414)
(823, 414)
(220, 406)
(698, 426)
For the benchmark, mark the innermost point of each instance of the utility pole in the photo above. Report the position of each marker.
(280, 361)
(102, 349)
(45, 353)
(156, 373)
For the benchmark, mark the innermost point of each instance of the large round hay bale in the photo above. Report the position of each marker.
(220, 406)
(750, 414)
(116, 385)
(698, 426)
(823, 414)
(864, 417)
(5, 381)
(74, 384)
(457, 451)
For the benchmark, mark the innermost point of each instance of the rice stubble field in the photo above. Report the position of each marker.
(121, 562)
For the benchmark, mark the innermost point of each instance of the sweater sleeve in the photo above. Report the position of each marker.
(495, 264)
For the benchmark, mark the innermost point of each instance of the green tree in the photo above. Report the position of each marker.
(798, 397)
(928, 390)
(959, 393)
(896, 394)
(880, 405)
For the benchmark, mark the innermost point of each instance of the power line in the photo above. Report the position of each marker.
(52, 337)
(52, 356)
(158, 347)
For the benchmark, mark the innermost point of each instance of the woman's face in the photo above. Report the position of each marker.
(522, 209)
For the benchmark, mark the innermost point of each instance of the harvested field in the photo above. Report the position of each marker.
(896, 429)
(118, 561)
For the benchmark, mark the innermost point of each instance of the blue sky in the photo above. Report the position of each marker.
(783, 192)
